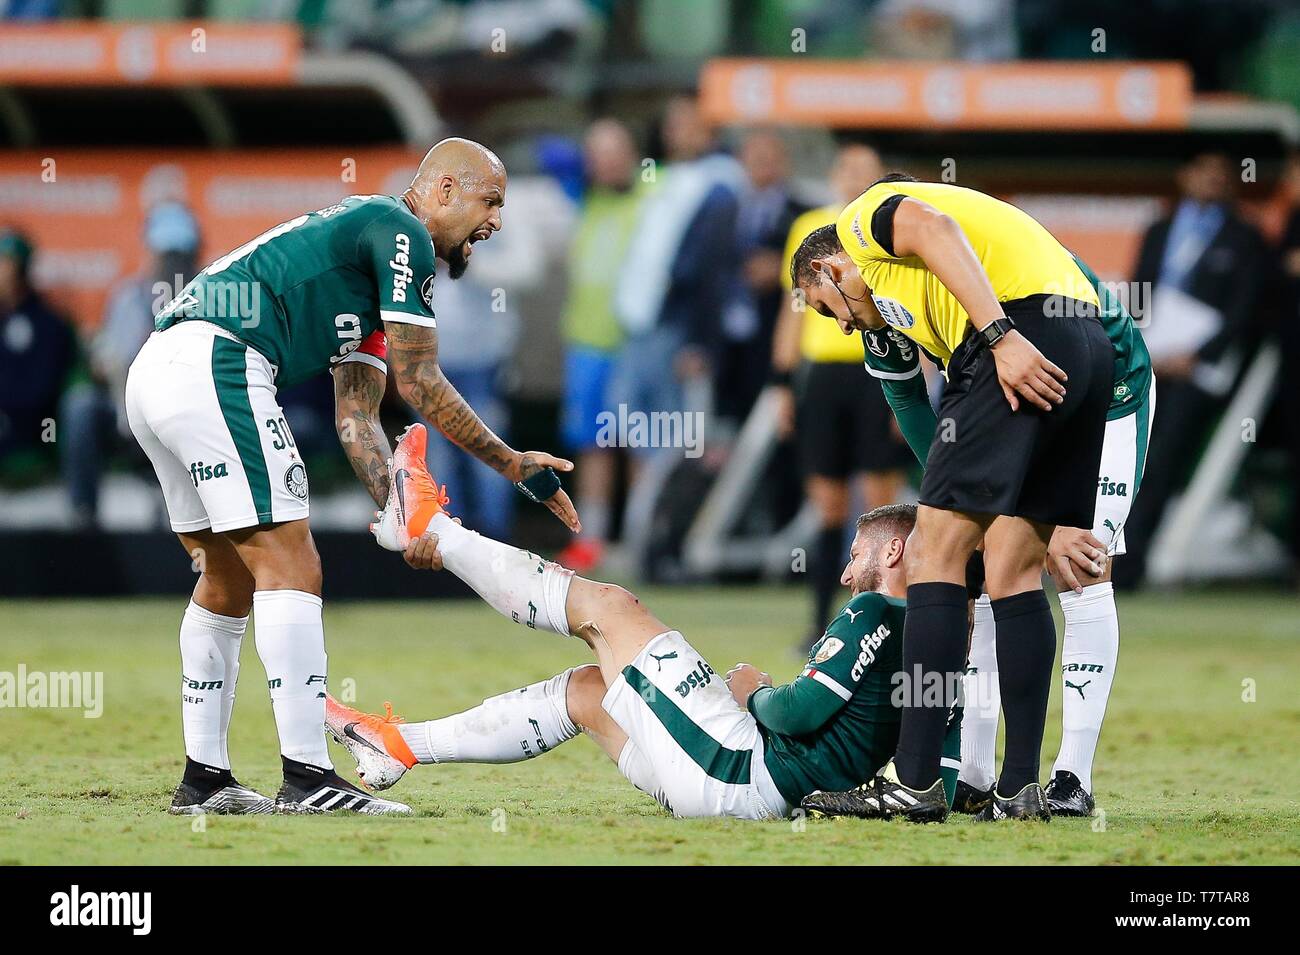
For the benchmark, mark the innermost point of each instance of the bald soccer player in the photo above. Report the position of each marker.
(348, 289)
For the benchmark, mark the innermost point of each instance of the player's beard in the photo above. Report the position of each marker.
(457, 262)
(870, 578)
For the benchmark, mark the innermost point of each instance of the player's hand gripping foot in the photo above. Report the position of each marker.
(207, 789)
(1029, 803)
(882, 798)
(1067, 797)
(310, 789)
(374, 741)
(969, 800)
(413, 496)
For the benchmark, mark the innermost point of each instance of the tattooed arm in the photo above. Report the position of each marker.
(358, 391)
(413, 356)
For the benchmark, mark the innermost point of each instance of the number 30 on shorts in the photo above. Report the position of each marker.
(283, 437)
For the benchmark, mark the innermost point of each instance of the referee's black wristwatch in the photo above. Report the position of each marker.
(996, 330)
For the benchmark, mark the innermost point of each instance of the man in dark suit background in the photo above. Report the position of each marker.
(767, 211)
(1200, 259)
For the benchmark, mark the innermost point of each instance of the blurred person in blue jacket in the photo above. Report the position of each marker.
(37, 352)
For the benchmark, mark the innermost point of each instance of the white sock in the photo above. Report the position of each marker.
(979, 723)
(1088, 658)
(513, 582)
(508, 728)
(291, 642)
(209, 670)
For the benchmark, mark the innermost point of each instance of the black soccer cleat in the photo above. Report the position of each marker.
(1029, 803)
(210, 789)
(1067, 797)
(970, 801)
(882, 798)
(310, 789)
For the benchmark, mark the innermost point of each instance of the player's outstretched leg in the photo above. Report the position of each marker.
(517, 584)
(499, 730)
(507, 728)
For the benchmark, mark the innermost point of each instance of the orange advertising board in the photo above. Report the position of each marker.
(896, 95)
(87, 221)
(85, 214)
(72, 53)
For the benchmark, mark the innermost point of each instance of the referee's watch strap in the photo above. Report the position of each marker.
(996, 330)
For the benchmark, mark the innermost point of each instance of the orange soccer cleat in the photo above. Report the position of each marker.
(374, 741)
(413, 495)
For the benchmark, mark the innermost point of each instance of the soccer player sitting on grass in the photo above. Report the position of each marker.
(745, 749)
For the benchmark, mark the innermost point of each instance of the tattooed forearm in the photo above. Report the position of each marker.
(358, 391)
(413, 356)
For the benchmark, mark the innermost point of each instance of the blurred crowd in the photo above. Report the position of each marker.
(676, 301)
(1246, 44)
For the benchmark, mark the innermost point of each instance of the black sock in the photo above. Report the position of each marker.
(304, 775)
(826, 566)
(1026, 650)
(206, 779)
(934, 639)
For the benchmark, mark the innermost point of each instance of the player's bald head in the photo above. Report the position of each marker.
(468, 162)
(457, 193)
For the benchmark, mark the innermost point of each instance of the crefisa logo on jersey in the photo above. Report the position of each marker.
(401, 266)
(207, 472)
(295, 480)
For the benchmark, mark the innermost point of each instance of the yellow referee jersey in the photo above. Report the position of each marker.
(819, 339)
(1020, 257)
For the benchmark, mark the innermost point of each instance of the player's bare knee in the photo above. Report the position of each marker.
(229, 594)
(1006, 575)
(585, 691)
(620, 600)
(293, 571)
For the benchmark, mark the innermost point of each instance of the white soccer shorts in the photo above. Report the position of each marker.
(1123, 457)
(202, 405)
(690, 744)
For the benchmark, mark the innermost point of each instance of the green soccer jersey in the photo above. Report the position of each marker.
(835, 725)
(308, 292)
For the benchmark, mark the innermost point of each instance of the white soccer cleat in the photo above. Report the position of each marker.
(310, 790)
(413, 495)
(232, 799)
(373, 741)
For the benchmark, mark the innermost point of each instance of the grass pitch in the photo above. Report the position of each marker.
(1198, 761)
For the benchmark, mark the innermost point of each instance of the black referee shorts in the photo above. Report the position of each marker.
(844, 423)
(1040, 465)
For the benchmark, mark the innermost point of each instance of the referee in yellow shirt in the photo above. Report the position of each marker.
(990, 294)
(843, 426)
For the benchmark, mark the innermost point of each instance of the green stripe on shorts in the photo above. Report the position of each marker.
(722, 764)
(1143, 438)
(230, 375)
